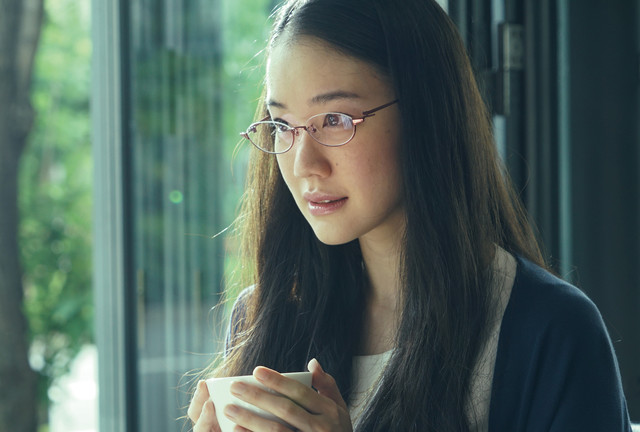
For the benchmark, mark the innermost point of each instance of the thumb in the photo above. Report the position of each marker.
(325, 383)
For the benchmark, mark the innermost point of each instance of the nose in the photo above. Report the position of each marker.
(309, 158)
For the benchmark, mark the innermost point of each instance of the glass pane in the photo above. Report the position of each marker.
(193, 84)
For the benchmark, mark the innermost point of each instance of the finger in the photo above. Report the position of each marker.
(207, 422)
(301, 394)
(246, 420)
(275, 403)
(325, 383)
(199, 398)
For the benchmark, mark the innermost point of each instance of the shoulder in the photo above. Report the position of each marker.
(543, 304)
(555, 366)
(238, 315)
(547, 320)
(242, 301)
(547, 317)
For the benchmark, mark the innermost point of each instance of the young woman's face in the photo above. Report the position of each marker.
(347, 192)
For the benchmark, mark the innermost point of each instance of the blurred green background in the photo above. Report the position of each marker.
(55, 196)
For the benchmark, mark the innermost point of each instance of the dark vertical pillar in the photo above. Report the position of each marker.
(604, 120)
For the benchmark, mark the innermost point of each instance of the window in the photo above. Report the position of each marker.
(186, 83)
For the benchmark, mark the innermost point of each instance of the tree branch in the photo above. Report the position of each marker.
(28, 41)
(19, 33)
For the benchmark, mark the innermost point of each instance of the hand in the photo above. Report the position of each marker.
(202, 412)
(303, 408)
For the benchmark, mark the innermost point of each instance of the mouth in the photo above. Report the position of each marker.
(327, 201)
(324, 205)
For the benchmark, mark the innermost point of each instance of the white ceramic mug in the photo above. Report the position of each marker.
(220, 394)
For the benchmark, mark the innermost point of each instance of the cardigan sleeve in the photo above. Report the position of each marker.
(238, 314)
(555, 368)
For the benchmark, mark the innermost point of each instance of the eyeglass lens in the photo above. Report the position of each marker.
(330, 129)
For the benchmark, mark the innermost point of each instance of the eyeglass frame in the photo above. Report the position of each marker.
(295, 133)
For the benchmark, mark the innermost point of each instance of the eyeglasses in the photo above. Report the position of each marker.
(330, 129)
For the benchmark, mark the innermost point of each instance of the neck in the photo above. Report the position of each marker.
(381, 255)
(382, 263)
(382, 269)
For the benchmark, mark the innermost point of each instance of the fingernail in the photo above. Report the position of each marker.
(231, 411)
(260, 373)
(313, 364)
(238, 388)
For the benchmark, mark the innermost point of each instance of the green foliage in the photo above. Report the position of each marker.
(55, 195)
(56, 169)
(245, 25)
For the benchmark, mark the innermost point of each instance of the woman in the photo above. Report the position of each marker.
(397, 263)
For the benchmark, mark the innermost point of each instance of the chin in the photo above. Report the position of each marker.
(332, 239)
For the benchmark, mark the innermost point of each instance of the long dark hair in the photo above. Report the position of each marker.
(307, 299)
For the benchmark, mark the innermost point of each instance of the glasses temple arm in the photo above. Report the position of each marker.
(372, 111)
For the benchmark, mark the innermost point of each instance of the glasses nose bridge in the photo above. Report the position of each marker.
(309, 128)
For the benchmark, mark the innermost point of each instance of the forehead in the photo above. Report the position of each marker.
(301, 70)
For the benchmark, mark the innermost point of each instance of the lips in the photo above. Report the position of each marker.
(324, 204)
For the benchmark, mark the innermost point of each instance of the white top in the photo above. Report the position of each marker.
(367, 370)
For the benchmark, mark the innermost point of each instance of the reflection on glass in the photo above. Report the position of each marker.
(193, 80)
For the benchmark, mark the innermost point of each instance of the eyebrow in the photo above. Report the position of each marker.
(334, 95)
(319, 99)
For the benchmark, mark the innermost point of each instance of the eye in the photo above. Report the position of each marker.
(282, 128)
(336, 120)
(279, 126)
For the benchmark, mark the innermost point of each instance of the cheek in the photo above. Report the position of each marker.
(383, 160)
(378, 176)
(387, 170)
(285, 165)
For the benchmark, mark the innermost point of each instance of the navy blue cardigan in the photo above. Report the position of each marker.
(555, 366)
